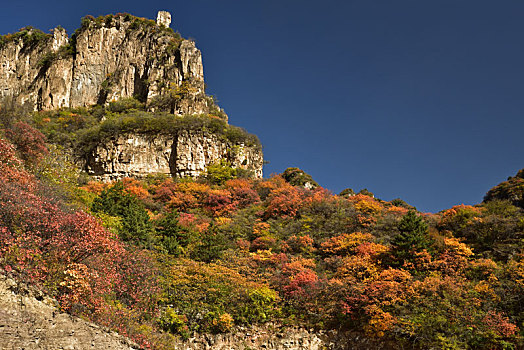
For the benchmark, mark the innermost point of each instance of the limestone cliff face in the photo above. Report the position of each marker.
(276, 337)
(106, 59)
(115, 57)
(26, 76)
(186, 154)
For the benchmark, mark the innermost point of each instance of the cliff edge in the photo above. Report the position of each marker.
(106, 59)
(116, 71)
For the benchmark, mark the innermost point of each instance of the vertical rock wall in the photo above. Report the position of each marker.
(186, 154)
(119, 56)
(115, 57)
(28, 75)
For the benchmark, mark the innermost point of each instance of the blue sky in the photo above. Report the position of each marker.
(420, 100)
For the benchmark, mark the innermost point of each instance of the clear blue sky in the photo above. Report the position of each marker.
(421, 100)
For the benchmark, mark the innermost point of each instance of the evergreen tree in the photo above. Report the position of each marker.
(212, 244)
(136, 226)
(172, 236)
(413, 237)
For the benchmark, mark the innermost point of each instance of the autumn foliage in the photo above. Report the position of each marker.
(163, 258)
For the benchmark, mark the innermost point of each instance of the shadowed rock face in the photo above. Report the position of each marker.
(108, 59)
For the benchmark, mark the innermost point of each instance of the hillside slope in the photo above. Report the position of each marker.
(29, 320)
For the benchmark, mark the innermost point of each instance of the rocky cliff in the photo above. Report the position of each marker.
(29, 320)
(110, 59)
(106, 59)
(186, 153)
(277, 337)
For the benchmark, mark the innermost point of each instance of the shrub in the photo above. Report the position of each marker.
(174, 323)
(29, 142)
(125, 105)
(136, 226)
(219, 173)
(298, 177)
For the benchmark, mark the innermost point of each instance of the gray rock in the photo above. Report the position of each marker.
(186, 154)
(29, 323)
(112, 60)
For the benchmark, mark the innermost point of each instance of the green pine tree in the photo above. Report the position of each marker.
(136, 226)
(172, 237)
(413, 237)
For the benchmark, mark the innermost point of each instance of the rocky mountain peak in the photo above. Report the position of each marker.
(106, 59)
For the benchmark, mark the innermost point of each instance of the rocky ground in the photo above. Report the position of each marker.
(29, 320)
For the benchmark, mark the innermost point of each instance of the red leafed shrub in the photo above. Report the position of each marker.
(242, 192)
(165, 190)
(10, 167)
(298, 280)
(301, 284)
(137, 274)
(285, 202)
(218, 203)
(71, 254)
(29, 142)
(500, 324)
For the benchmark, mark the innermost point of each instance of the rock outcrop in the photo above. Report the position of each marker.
(29, 320)
(186, 154)
(121, 56)
(107, 58)
(276, 337)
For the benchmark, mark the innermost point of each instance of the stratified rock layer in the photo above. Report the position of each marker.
(275, 337)
(186, 154)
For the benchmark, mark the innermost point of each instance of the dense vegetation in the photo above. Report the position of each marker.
(82, 129)
(30, 36)
(163, 258)
(511, 190)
